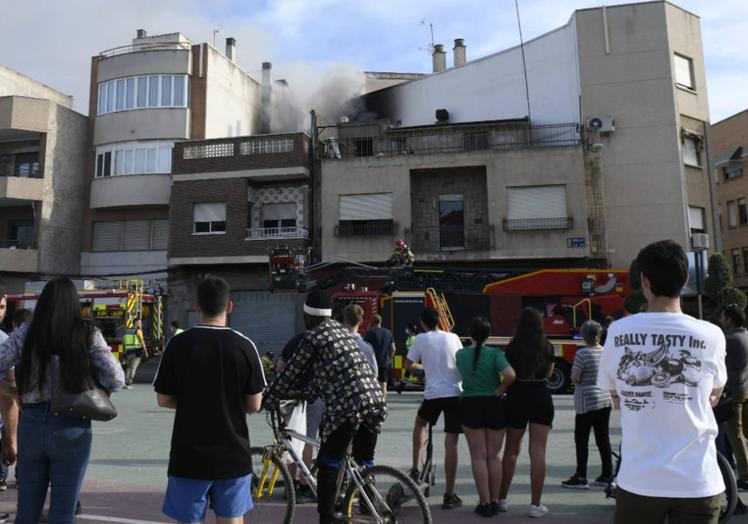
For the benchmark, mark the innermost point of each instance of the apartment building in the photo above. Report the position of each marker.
(730, 144)
(598, 153)
(232, 201)
(42, 181)
(146, 97)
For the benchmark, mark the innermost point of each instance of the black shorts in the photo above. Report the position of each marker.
(529, 402)
(483, 412)
(431, 409)
(383, 374)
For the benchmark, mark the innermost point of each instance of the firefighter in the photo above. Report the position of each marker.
(402, 256)
(135, 350)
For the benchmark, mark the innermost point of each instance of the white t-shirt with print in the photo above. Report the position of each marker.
(436, 351)
(664, 366)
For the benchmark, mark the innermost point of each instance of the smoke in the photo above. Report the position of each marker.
(332, 91)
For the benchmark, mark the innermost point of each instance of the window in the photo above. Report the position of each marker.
(130, 95)
(123, 94)
(732, 214)
(142, 90)
(696, 219)
(27, 165)
(735, 261)
(102, 98)
(22, 233)
(451, 222)
(110, 97)
(745, 259)
(279, 216)
(166, 91)
(369, 214)
(131, 235)
(134, 158)
(684, 71)
(742, 211)
(153, 82)
(209, 218)
(536, 207)
(733, 172)
(691, 156)
(120, 94)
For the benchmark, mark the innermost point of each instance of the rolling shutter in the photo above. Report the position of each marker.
(268, 319)
(137, 235)
(536, 202)
(160, 234)
(374, 206)
(107, 236)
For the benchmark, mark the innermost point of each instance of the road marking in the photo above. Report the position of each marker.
(103, 518)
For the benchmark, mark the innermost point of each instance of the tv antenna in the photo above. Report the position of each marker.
(215, 33)
(430, 47)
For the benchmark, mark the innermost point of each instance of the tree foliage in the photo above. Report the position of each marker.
(731, 295)
(719, 277)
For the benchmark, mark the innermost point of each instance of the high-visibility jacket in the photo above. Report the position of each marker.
(130, 340)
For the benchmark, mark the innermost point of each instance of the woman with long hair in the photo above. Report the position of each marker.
(530, 404)
(54, 449)
(486, 375)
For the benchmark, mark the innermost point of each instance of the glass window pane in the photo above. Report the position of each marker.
(166, 91)
(142, 90)
(202, 227)
(217, 227)
(130, 97)
(119, 162)
(690, 152)
(110, 96)
(128, 161)
(179, 90)
(164, 159)
(139, 161)
(150, 163)
(120, 94)
(99, 165)
(108, 163)
(102, 98)
(684, 71)
(153, 91)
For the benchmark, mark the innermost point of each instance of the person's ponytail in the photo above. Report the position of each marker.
(480, 329)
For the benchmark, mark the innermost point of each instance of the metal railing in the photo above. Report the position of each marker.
(242, 146)
(148, 46)
(365, 229)
(17, 244)
(452, 238)
(453, 139)
(25, 170)
(265, 233)
(530, 224)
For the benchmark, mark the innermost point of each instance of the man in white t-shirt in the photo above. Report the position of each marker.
(666, 371)
(434, 352)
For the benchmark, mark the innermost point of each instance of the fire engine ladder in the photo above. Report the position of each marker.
(439, 302)
(134, 306)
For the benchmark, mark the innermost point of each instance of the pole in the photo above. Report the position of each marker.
(698, 283)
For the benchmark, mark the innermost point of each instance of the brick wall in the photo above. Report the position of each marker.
(236, 161)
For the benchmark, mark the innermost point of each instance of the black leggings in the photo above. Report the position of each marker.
(599, 421)
(330, 458)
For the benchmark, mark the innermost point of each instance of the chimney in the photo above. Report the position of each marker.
(231, 48)
(459, 52)
(265, 95)
(439, 58)
(141, 33)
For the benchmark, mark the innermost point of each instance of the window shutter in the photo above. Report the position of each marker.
(696, 217)
(279, 211)
(536, 202)
(210, 212)
(137, 235)
(107, 236)
(160, 234)
(374, 206)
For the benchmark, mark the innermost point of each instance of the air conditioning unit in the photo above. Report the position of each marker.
(700, 241)
(602, 124)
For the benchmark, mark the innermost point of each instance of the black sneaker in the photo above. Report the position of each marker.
(3, 485)
(304, 495)
(742, 485)
(484, 510)
(575, 482)
(451, 501)
(415, 476)
(602, 481)
(495, 507)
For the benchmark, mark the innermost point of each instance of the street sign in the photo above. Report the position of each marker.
(576, 242)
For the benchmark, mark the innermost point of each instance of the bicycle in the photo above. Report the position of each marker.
(427, 472)
(360, 492)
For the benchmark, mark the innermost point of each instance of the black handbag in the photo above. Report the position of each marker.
(91, 404)
(723, 411)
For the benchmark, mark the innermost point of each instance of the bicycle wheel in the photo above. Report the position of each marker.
(394, 496)
(729, 498)
(279, 504)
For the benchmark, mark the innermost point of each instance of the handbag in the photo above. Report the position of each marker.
(91, 404)
(723, 411)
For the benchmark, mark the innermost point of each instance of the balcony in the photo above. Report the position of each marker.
(131, 190)
(452, 238)
(18, 256)
(369, 228)
(276, 233)
(432, 140)
(20, 188)
(538, 224)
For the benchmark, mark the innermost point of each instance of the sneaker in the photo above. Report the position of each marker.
(742, 485)
(494, 507)
(575, 482)
(304, 495)
(602, 481)
(502, 505)
(538, 511)
(484, 510)
(4, 517)
(128, 386)
(415, 476)
(451, 501)
(3, 485)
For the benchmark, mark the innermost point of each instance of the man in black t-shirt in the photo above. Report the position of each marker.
(384, 348)
(213, 376)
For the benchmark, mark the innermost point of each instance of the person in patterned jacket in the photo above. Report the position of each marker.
(355, 407)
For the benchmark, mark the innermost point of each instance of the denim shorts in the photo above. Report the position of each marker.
(187, 500)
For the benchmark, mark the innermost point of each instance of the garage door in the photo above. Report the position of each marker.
(269, 319)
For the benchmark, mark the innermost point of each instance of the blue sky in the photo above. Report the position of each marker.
(53, 41)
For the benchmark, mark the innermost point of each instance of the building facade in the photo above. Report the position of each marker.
(42, 180)
(730, 144)
(601, 151)
(146, 97)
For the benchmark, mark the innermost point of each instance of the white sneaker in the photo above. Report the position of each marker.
(128, 387)
(538, 511)
(503, 505)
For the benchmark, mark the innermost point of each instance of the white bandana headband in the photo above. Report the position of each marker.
(317, 312)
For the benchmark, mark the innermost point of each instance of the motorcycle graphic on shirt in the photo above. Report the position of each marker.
(661, 368)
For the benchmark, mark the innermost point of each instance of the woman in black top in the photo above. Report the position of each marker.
(529, 403)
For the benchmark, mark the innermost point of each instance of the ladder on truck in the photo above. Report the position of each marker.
(134, 305)
(438, 301)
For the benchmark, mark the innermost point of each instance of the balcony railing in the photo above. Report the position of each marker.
(531, 224)
(17, 244)
(365, 229)
(452, 238)
(147, 46)
(270, 233)
(25, 170)
(452, 139)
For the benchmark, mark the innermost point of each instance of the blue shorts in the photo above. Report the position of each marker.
(187, 500)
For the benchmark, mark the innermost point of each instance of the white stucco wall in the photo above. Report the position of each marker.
(15, 83)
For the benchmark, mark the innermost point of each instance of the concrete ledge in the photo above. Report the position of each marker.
(22, 188)
(24, 114)
(131, 190)
(19, 260)
(268, 174)
(201, 261)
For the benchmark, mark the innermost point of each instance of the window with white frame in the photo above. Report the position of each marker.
(691, 153)
(209, 218)
(684, 71)
(366, 214)
(133, 158)
(732, 214)
(131, 235)
(138, 92)
(279, 216)
(696, 219)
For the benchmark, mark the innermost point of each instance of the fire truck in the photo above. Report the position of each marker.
(565, 298)
(113, 306)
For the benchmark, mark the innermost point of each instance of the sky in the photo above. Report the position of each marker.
(53, 40)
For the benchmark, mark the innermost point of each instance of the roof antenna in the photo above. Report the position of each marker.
(524, 64)
(215, 33)
(430, 48)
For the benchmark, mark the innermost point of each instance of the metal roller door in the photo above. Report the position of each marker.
(269, 319)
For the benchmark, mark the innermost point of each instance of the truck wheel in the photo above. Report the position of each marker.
(560, 380)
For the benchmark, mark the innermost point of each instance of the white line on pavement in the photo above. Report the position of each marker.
(103, 518)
